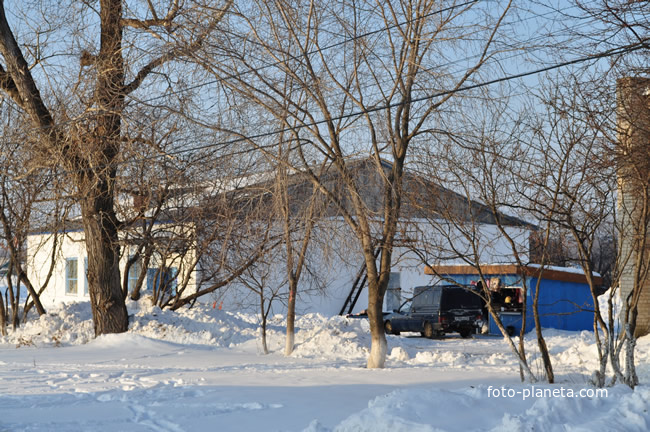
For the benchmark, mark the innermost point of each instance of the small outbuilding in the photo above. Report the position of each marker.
(565, 300)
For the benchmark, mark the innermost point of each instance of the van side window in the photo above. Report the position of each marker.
(436, 296)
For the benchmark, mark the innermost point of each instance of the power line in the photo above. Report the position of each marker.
(499, 60)
(332, 46)
(320, 50)
(316, 51)
(605, 54)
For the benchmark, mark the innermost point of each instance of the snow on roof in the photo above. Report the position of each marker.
(574, 270)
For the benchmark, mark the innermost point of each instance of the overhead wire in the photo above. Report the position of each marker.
(608, 53)
(346, 41)
(597, 56)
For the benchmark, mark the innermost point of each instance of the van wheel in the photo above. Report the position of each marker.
(388, 328)
(465, 333)
(428, 331)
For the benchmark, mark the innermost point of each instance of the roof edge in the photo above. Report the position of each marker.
(502, 269)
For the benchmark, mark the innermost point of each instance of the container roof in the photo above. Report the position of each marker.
(564, 274)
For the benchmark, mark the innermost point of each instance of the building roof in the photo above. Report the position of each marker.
(423, 198)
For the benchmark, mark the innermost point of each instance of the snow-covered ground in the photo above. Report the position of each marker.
(202, 369)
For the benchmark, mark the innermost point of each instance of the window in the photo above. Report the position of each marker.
(134, 274)
(172, 278)
(71, 275)
(165, 275)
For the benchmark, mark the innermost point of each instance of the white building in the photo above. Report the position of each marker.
(67, 265)
(428, 235)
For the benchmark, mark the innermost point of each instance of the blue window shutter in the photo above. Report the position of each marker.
(86, 275)
(134, 274)
(171, 280)
(151, 278)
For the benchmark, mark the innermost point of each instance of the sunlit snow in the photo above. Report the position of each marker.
(202, 369)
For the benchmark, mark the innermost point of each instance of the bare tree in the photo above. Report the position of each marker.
(470, 191)
(603, 127)
(299, 211)
(86, 136)
(597, 171)
(191, 230)
(28, 201)
(575, 188)
(633, 168)
(368, 96)
(262, 282)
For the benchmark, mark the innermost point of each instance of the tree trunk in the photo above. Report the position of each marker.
(541, 343)
(106, 298)
(291, 317)
(14, 298)
(523, 363)
(378, 347)
(265, 348)
(135, 294)
(3, 317)
(522, 332)
(36, 298)
(601, 373)
(631, 378)
(97, 208)
(15, 255)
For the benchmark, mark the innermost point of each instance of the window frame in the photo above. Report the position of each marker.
(132, 280)
(69, 279)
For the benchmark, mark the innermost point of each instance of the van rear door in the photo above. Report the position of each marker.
(461, 305)
(424, 308)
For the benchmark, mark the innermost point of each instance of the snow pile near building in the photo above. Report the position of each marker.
(199, 325)
(316, 336)
(336, 337)
(65, 325)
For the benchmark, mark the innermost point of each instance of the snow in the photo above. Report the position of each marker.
(573, 270)
(202, 369)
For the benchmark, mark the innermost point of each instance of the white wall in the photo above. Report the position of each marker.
(72, 245)
(336, 260)
(39, 253)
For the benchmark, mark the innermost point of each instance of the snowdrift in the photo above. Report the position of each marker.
(188, 369)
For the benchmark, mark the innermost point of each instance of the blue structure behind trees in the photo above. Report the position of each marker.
(565, 300)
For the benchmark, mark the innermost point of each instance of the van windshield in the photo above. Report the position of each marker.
(458, 298)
